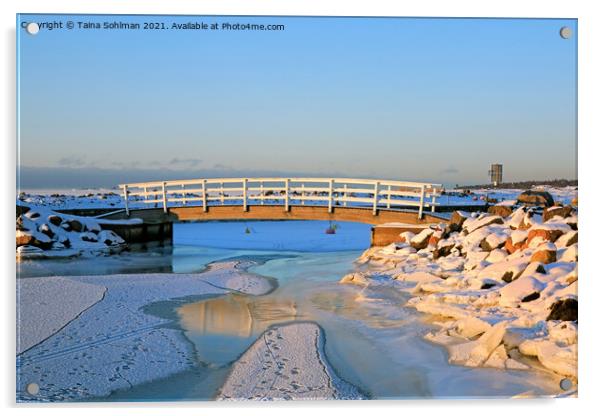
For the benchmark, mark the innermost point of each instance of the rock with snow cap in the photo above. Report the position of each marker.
(532, 197)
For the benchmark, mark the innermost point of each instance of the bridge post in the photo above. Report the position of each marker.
(303, 194)
(204, 195)
(345, 195)
(164, 197)
(261, 195)
(330, 186)
(375, 202)
(184, 191)
(421, 207)
(287, 184)
(222, 192)
(389, 198)
(244, 194)
(125, 199)
(433, 201)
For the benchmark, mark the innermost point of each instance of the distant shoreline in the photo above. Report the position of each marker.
(557, 183)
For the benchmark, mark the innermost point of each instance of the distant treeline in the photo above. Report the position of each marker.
(558, 183)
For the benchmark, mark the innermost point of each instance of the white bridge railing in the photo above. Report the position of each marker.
(329, 192)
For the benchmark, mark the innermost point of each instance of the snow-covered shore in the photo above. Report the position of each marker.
(286, 363)
(118, 342)
(501, 286)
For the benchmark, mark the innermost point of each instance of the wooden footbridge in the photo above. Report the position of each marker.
(339, 199)
(391, 206)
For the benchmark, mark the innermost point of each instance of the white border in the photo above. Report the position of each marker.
(589, 159)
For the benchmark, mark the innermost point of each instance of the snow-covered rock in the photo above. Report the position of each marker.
(62, 235)
(503, 288)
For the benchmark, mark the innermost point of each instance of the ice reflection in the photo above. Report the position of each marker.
(372, 340)
(223, 328)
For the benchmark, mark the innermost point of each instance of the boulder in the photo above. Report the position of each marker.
(539, 198)
(421, 240)
(456, 221)
(567, 239)
(545, 254)
(493, 241)
(569, 254)
(552, 212)
(544, 234)
(93, 227)
(572, 222)
(24, 238)
(90, 237)
(20, 225)
(45, 229)
(55, 220)
(501, 210)
(497, 255)
(516, 219)
(533, 296)
(32, 215)
(512, 247)
(484, 221)
(443, 250)
(41, 241)
(519, 289)
(75, 225)
(406, 236)
(435, 238)
(563, 310)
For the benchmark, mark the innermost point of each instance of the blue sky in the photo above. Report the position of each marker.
(401, 98)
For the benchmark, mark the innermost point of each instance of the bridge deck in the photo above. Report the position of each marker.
(277, 212)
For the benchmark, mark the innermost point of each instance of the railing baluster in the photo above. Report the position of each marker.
(222, 193)
(303, 194)
(125, 199)
(244, 194)
(389, 198)
(286, 197)
(434, 199)
(421, 207)
(330, 186)
(375, 202)
(345, 195)
(261, 195)
(164, 198)
(204, 195)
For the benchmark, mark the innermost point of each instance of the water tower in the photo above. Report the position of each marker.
(495, 173)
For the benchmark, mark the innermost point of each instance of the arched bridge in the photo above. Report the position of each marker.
(369, 201)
